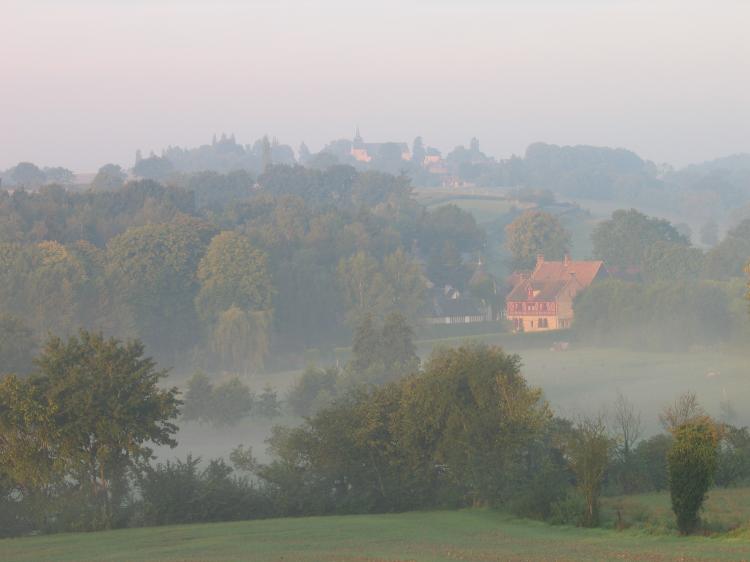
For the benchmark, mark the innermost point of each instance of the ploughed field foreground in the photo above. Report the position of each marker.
(481, 535)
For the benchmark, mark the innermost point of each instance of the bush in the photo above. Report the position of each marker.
(569, 510)
(223, 405)
(182, 492)
(197, 404)
(267, 404)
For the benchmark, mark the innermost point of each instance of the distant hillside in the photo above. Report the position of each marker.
(735, 162)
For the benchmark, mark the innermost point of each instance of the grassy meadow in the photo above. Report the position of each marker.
(486, 204)
(725, 511)
(479, 535)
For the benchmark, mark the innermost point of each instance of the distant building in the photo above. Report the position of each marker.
(449, 306)
(433, 162)
(365, 151)
(543, 299)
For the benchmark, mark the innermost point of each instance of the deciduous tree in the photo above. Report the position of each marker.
(534, 233)
(588, 450)
(692, 463)
(91, 410)
(623, 240)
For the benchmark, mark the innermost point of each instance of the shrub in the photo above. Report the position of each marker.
(230, 402)
(569, 510)
(197, 406)
(223, 405)
(314, 390)
(182, 492)
(267, 404)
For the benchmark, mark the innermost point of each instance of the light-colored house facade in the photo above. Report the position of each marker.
(543, 299)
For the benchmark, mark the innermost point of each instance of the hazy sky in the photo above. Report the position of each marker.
(88, 82)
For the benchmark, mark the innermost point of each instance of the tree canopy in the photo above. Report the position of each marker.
(534, 233)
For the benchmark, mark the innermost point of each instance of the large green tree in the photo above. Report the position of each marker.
(472, 412)
(669, 261)
(108, 178)
(692, 464)
(623, 240)
(534, 233)
(407, 283)
(239, 340)
(233, 274)
(235, 300)
(372, 287)
(88, 413)
(363, 285)
(27, 174)
(383, 354)
(454, 433)
(152, 270)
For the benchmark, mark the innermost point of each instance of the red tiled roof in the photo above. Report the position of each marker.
(584, 271)
(549, 278)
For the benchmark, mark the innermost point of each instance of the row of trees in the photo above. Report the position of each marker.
(632, 245)
(291, 260)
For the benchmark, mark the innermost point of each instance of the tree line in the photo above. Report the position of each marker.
(463, 429)
(222, 270)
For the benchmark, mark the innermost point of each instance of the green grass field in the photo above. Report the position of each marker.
(485, 207)
(478, 535)
(725, 510)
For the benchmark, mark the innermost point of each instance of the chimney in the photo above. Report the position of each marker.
(539, 259)
(566, 260)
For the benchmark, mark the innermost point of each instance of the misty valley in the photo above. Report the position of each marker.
(321, 337)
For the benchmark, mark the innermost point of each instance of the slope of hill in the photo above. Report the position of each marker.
(426, 536)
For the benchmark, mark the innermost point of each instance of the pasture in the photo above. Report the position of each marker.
(725, 510)
(418, 536)
(587, 379)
